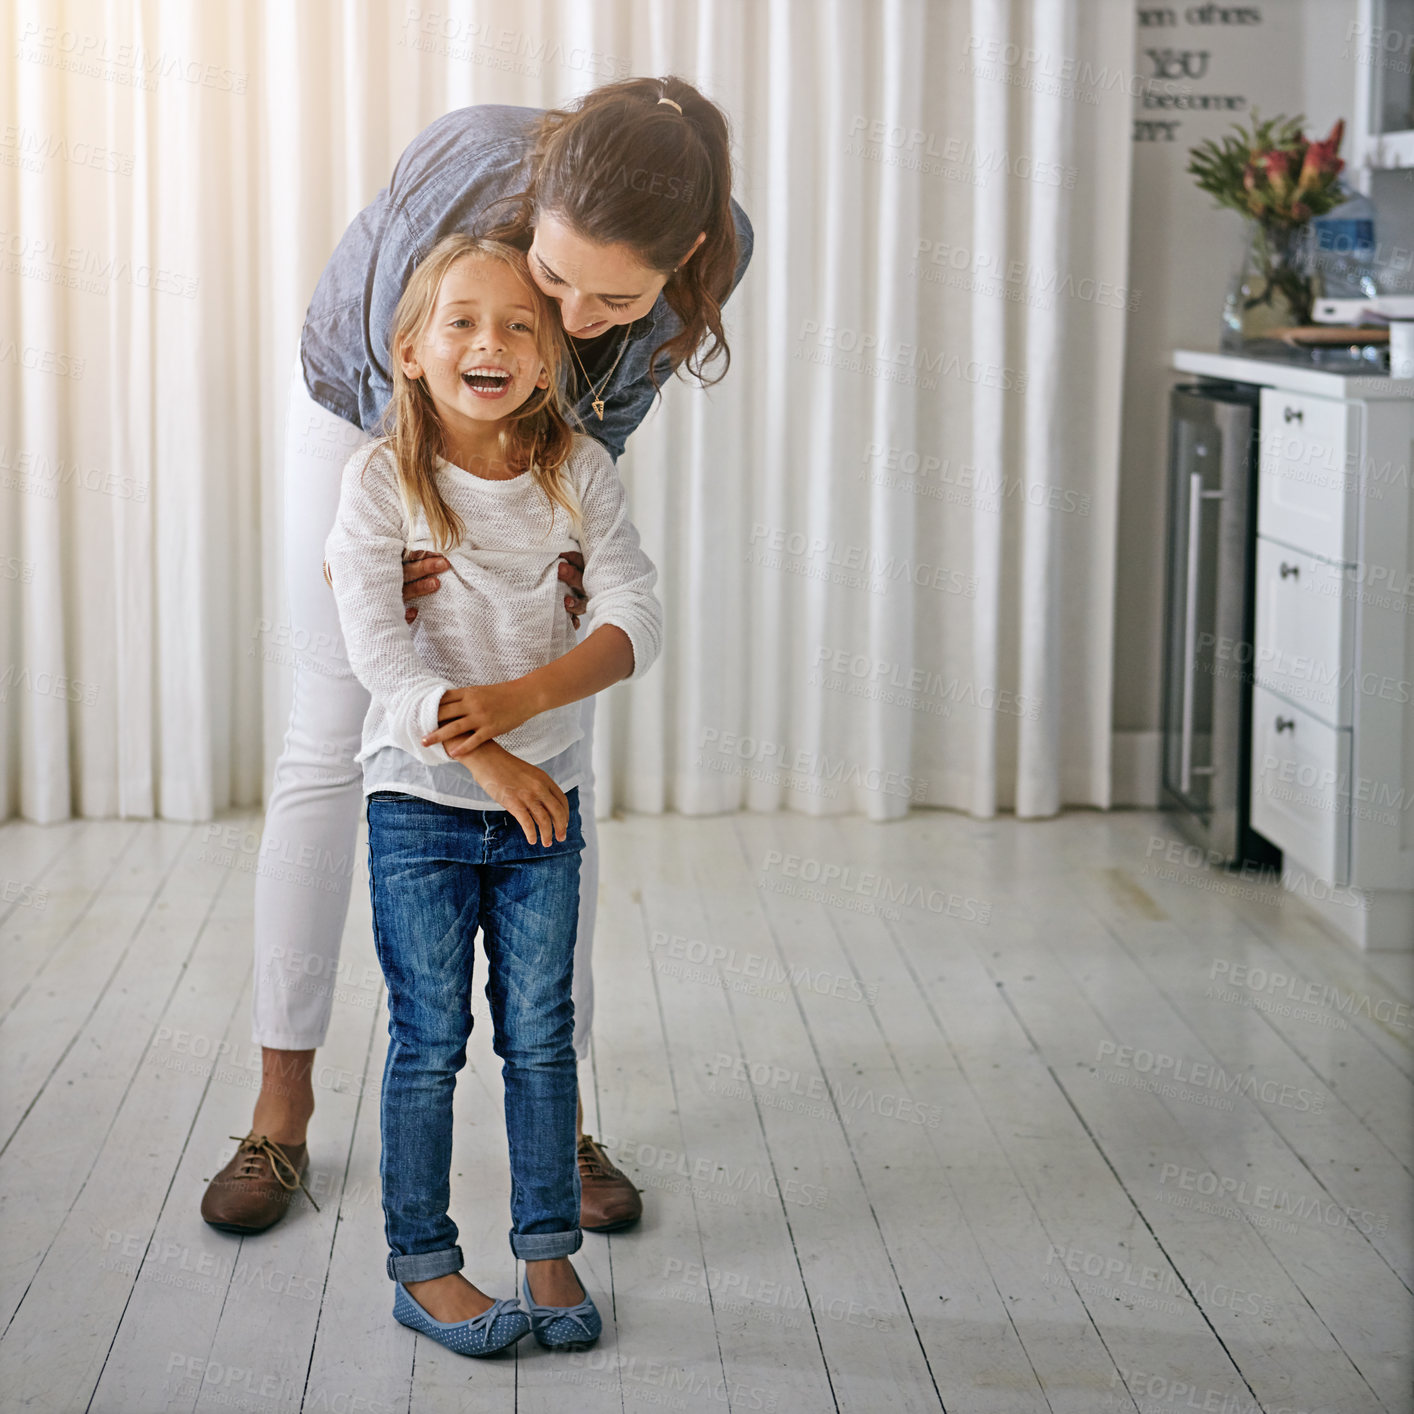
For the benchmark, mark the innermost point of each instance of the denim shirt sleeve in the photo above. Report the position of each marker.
(627, 402)
(449, 178)
(396, 262)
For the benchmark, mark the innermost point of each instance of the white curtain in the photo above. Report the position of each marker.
(886, 541)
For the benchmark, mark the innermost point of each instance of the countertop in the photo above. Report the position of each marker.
(1294, 377)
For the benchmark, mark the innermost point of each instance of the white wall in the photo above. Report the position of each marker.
(1277, 56)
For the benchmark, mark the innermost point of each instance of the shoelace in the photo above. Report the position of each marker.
(255, 1149)
(591, 1163)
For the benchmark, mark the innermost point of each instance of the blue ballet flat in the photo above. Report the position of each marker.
(564, 1327)
(500, 1325)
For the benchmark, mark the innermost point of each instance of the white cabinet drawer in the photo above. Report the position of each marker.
(1304, 631)
(1301, 785)
(1309, 486)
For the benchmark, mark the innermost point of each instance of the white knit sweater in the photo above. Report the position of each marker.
(499, 612)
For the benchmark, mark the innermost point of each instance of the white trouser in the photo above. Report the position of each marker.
(311, 821)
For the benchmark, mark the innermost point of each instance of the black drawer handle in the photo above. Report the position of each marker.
(1285, 724)
(1292, 415)
(1290, 571)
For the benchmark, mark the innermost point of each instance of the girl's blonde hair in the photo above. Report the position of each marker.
(536, 436)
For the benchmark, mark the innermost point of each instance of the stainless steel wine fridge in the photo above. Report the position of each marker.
(1207, 701)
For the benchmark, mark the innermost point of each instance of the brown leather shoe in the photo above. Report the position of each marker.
(608, 1200)
(254, 1190)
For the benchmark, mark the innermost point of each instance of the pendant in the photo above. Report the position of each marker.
(599, 408)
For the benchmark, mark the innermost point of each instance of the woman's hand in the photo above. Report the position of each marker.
(538, 804)
(478, 715)
(420, 568)
(572, 573)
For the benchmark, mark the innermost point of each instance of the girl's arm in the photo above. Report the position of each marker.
(625, 622)
(537, 803)
(601, 660)
(364, 557)
(477, 715)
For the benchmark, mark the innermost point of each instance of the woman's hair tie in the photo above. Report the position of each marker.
(671, 104)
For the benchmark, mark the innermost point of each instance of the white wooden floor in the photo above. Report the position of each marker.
(1094, 1132)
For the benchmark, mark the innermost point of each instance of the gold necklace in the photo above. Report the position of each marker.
(598, 402)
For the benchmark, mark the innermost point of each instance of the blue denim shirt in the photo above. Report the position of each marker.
(446, 181)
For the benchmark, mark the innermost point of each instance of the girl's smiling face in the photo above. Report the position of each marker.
(477, 351)
(597, 286)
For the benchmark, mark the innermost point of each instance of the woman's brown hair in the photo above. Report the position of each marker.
(536, 437)
(619, 167)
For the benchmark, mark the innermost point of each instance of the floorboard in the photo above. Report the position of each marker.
(870, 1079)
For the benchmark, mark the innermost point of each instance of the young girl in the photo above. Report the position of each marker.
(472, 803)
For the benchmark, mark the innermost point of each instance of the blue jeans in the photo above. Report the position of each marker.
(437, 874)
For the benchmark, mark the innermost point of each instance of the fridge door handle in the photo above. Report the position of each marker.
(1196, 496)
(1190, 629)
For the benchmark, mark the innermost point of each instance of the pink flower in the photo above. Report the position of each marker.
(1321, 165)
(1277, 164)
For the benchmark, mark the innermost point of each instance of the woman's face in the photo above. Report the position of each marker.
(597, 286)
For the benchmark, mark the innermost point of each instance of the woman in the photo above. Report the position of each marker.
(623, 205)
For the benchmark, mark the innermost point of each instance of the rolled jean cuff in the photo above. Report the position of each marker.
(542, 1246)
(424, 1266)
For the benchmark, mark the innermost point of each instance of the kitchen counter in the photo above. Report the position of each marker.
(1296, 376)
(1331, 755)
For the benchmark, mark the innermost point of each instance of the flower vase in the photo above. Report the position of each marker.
(1273, 288)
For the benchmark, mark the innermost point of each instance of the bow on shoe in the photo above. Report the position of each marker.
(502, 1306)
(544, 1319)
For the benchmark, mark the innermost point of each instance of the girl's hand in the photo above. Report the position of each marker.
(419, 569)
(479, 715)
(572, 573)
(538, 804)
